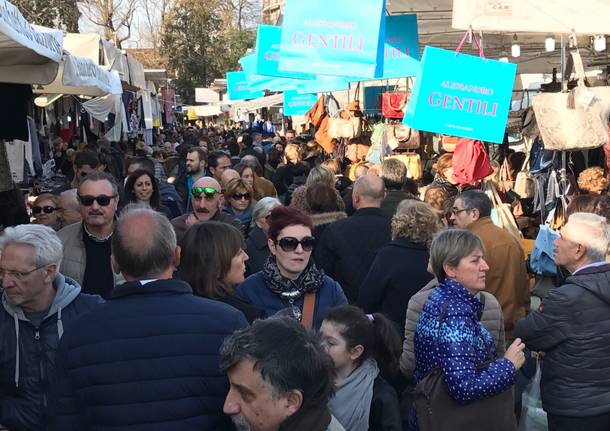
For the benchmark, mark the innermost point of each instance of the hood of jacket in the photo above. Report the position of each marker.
(595, 279)
(325, 218)
(66, 290)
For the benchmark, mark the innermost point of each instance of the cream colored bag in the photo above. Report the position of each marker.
(345, 128)
(524, 182)
(576, 120)
(505, 218)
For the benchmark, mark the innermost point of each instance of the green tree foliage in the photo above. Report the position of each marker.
(63, 14)
(204, 40)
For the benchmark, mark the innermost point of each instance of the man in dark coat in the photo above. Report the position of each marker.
(38, 303)
(347, 247)
(572, 328)
(148, 358)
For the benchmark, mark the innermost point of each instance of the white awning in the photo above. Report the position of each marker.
(28, 54)
(261, 102)
(116, 60)
(204, 110)
(81, 76)
(136, 73)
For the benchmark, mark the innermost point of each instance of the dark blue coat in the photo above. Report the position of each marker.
(398, 272)
(146, 360)
(255, 290)
(24, 392)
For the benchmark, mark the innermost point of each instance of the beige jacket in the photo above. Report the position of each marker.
(491, 319)
(75, 256)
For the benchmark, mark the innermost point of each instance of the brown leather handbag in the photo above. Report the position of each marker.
(438, 411)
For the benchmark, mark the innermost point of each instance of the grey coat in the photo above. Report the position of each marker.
(75, 255)
(491, 319)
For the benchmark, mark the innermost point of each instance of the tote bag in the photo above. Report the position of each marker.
(461, 95)
(330, 37)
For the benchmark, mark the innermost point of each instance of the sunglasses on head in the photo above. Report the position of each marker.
(102, 200)
(207, 192)
(290, 243)
(239, 196)
(46, 209)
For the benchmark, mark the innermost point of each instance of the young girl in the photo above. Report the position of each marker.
(363, 347)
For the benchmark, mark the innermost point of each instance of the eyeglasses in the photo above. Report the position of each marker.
(456, 211)
(102, 200)
(207, 192)
(46, 209)
(290, 243)
(18, 275)
(240, 196)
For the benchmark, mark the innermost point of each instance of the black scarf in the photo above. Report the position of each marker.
(309, 280)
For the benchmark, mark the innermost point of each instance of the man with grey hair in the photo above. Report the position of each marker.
(347, 247)
(148, 358)
(38, 303)
(507, 276)
(572, 328)
(394, 176)
(87, 244)
(69, 208)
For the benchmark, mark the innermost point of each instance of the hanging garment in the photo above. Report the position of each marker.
(14, 111)
(35, 147)
(15, 152)
(6, 178)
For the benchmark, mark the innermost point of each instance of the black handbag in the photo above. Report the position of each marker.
(438, 411)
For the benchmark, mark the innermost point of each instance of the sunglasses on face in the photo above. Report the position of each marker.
(46, 209)
(102, 200)
(240, 196)
(207, 192)
(290, 243)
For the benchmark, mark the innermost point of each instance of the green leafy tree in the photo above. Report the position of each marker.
(204, 40)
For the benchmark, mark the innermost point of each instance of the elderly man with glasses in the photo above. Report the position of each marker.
(87, 244)
(206, 204)
(572, 328)
(38, 302)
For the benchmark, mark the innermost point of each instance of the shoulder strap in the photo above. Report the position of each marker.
(309, 304)
(480, 311)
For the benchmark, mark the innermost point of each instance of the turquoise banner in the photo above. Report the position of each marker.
(401, 48)
(298, 104)
(324, 84)
(268, 54)
(258, 82)
(461, 95)
(333, 37)
(238, 89)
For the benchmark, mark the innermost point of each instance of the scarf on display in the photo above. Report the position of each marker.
(309, 280)
(351, 404)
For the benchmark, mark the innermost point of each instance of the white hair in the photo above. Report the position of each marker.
(47, 246)
(264, 207)
(593, 233)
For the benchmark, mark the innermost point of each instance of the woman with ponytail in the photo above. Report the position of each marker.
(363, 347)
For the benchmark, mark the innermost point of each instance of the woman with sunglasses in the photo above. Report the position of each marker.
(45, 210)
(238, 198)
(290, 274)
(142, 187)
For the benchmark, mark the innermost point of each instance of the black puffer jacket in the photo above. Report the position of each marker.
(572, 327)
(24, 389)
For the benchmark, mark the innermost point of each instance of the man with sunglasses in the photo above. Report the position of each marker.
(206, 203)
(38, 302)
(87, 244)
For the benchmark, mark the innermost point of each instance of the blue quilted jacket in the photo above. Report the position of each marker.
(459, 346)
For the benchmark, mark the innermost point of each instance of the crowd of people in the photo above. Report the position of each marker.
(232, 279)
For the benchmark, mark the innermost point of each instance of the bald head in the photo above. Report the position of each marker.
(369, 191)
(208, 182)
(228, 175)
(144, 244)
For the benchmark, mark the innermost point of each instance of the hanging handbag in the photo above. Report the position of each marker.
(448, 143)
(502, 214)
(470, 162)
(524, 182)
(345, 128)
(438, 411)
(574, 120)
(393, 104)
(402, 136)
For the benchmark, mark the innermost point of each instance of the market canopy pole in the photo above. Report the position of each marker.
(533, 16)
